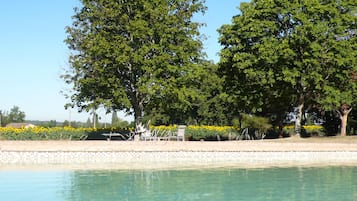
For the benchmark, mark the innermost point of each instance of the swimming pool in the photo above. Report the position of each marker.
(225, 184)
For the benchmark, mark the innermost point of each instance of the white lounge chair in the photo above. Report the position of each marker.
(148, 135)
(110, 135)
(180, 134)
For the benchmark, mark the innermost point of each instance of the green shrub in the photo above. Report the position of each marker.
(56, 133)
(209, 133)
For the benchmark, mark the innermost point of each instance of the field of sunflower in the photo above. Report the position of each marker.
(55, 133)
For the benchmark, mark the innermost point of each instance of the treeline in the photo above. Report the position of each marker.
(277, 57)
(14, 116)
(79, 124)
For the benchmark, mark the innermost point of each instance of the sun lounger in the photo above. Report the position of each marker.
(110, 135)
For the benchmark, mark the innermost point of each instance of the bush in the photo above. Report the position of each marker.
(331, 124)
(306, 131)
(260, 123)
(209, 133)
(274, 133)
(56, 133)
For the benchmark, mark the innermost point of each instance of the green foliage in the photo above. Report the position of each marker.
(205, 104)
(352, 122)
(274, 133)
(128, 55)
(237, 122)
(331, 123)
(49, 124)
(262, 124)
(210, 109)
(117, 122)
(210, 133)
(56, 133)
(307, 131)
(14, 116)
(203, 134)
(3, 118)
(280, 54)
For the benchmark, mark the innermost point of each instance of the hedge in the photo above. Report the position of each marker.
(56, 133)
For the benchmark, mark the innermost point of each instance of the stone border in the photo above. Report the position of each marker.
(176, 159)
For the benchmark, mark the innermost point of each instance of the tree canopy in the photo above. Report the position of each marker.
(14, 116)
(291, 53)
(127, 54)
(145, 57)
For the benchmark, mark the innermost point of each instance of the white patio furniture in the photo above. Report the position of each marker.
(180, 134)
(110, 135)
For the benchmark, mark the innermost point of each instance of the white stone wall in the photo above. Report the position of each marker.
(172, 157)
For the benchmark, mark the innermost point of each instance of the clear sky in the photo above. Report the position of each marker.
(33, 54)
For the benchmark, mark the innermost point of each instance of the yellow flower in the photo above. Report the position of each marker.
(211, 128)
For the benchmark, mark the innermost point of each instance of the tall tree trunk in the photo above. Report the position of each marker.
(138, 113)
(343, 114)
(138, 106)
(299, 117)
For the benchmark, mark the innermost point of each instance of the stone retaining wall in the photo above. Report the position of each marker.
(179, 157)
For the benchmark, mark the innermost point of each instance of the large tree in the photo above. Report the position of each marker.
(205, 103)
(128, 53)
(297, 48)
(14, 116)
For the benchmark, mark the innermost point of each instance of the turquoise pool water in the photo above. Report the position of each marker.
(328, 183)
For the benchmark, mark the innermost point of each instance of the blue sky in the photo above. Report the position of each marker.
(33, 54)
